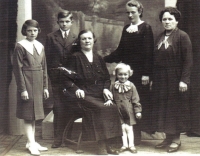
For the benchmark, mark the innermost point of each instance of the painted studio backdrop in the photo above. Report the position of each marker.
(105, 17)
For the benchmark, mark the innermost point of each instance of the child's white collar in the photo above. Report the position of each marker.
(122, 87)
(29, 46)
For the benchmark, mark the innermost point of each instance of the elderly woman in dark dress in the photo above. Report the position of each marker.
(172, 67)
(91, 87)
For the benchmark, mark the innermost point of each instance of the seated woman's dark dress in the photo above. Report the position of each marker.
(100, 122)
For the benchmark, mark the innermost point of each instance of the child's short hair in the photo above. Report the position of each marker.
(122, 66)
(64, 14)
(30, 23)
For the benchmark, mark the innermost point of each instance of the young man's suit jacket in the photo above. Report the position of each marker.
(58, 50)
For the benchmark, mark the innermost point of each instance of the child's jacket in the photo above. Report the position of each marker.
(127, 99)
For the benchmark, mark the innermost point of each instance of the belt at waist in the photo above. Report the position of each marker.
(32, 68)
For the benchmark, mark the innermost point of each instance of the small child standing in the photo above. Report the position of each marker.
(127, 99)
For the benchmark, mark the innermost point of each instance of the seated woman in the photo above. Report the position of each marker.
(91, 87)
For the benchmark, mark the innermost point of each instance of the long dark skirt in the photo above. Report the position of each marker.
(170, 107)
(144, 92)
(100, 122)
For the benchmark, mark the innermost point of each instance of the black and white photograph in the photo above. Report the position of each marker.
(99, 77)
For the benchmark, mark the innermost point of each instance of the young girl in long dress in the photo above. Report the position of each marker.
(126, 98)
(30, 70)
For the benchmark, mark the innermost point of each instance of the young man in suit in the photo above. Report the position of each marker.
(59, 46)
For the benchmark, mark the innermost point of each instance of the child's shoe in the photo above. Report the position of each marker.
(32, 149)
(40, 148)
(133, 149)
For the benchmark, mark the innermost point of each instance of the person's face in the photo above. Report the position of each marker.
(122, 75)
(133, 14)
(31, 33)
(169, 21)
(87, 41)
(65, 23)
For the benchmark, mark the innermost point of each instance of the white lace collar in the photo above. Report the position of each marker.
(29, 46)
(134, 27)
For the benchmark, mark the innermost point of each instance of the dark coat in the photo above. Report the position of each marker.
(128, 104)
(58, 51)
(31, 75)
(182, 47)
(100, 121)
(171, 113)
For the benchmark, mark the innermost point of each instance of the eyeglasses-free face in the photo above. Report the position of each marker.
(169, 21)
(133, 14)
(65, 23)
(87, 41)
(31, 33)
(122, 75)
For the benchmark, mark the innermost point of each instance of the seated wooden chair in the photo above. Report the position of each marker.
(74, 120)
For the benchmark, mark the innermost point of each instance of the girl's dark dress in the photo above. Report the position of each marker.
(100, 122)
(30, 72)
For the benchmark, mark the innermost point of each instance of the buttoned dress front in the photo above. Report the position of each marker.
(127, 103)
(172, 64)
(100, 122)
(29, 67)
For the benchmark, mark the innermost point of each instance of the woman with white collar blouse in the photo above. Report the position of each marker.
(91, 87)
(30, 70)
(136, 49)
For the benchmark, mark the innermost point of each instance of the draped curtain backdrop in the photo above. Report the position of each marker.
(190, 23)
(8, 29)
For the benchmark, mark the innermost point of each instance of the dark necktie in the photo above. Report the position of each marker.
(65, 35)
